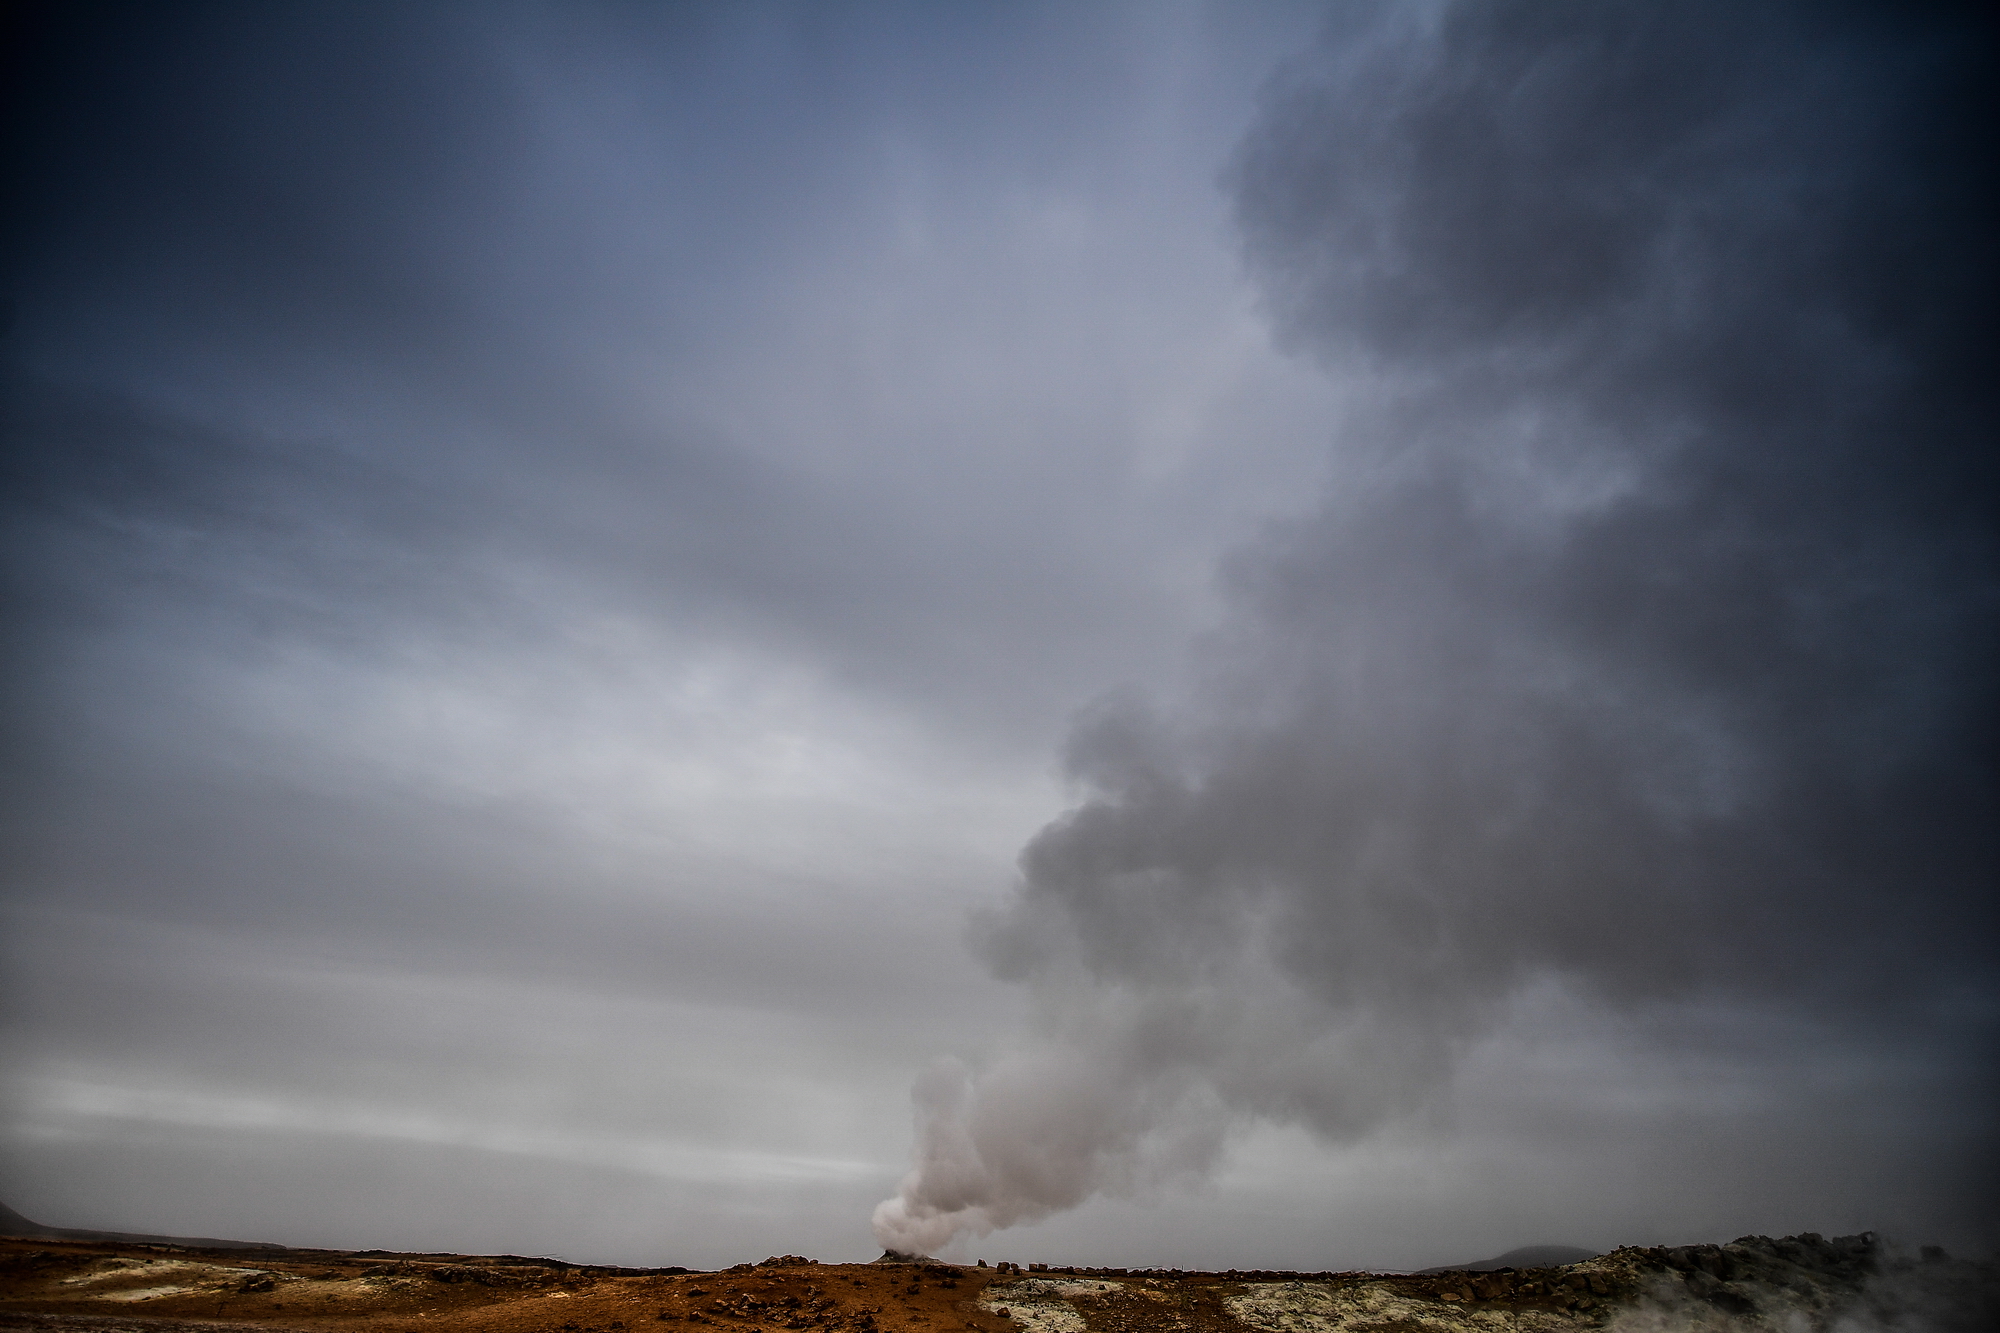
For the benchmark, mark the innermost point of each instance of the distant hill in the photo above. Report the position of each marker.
(13, 1224)
(1528, 1256)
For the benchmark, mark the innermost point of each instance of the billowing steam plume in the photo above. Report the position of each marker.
(1643, 641)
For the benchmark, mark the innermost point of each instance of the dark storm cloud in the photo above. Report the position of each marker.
(320, 316)
(228, 194)
(434, 247)
(1644, 645)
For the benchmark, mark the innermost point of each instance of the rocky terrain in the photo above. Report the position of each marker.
(1798, 1284)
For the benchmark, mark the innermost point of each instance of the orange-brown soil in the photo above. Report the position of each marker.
(113, 1288)
(1752, 1284)
(92, 1285)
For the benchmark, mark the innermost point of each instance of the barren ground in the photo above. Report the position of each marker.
(1795, 1283)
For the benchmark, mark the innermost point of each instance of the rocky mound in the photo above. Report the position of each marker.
(1757, 1282)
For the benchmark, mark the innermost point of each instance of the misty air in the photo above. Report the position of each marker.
(1288, 665)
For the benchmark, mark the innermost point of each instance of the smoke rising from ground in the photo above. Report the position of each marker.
(1642, 646)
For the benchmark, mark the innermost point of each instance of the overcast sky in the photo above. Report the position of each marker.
(1252, 634)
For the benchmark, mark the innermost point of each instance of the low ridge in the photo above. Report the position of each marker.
(14, 1224)
(1528, 1256)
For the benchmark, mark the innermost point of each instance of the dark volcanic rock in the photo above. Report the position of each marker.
(1759, 1281)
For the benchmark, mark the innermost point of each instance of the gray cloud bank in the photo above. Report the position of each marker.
(1641, 652)
(548, 548)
